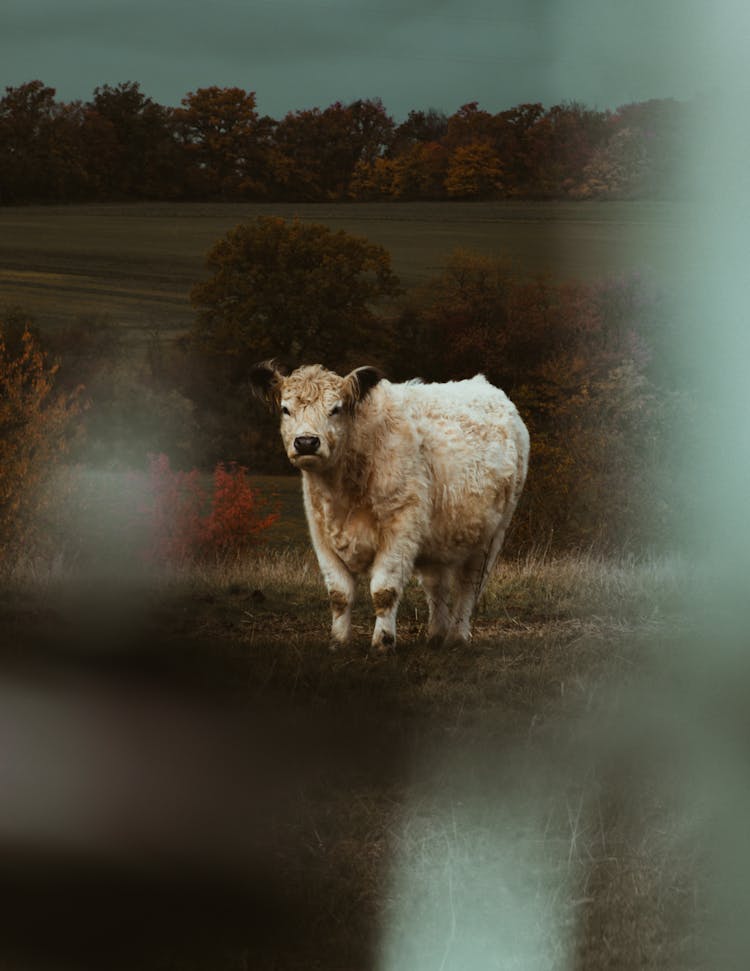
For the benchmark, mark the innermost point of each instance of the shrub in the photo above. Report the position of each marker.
(36, 428)
(186, 521)
(577, 361)
(239, 514)
(595, 450)
(290, 289)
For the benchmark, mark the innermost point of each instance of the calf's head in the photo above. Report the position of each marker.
(316, 407)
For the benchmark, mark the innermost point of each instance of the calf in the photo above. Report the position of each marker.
(400, 479)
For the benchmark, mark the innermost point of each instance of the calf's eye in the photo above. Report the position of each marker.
(336, 409)
(284, 410)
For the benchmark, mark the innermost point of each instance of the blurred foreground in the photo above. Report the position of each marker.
(190, 779)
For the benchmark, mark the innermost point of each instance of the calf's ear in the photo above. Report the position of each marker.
(359, 383)
(265, 380)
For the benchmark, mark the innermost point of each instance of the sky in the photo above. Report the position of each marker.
(410, 53)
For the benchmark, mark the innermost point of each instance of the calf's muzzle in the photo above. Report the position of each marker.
(306, 444)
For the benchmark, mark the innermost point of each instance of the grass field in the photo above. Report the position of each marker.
(137, 263)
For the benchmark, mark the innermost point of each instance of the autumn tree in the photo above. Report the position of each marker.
(465, 310)
(26, 119)
(320, 150)
(315, 154)
(561, 144)
(664, 131)
(373, 180)
(513, 139)
(227, 143)
(419, 173)
(130, 144)
(469, 125)
(290, 289)
(419, 126)
(40, 151)
(618, 169)
(474, 172)
(371, 128)
(413, 167)
(35, 426)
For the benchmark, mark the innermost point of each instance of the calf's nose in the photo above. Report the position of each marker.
(306, 444)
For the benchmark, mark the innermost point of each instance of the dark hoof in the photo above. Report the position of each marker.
(385, 645)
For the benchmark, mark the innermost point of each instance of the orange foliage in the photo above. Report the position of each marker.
(186, 521)
(474, 171)
(35, 432)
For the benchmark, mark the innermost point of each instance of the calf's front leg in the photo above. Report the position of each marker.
(341, 596)
(390, 574)
(340, 585)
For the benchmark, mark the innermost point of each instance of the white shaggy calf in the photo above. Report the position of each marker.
(401, 479)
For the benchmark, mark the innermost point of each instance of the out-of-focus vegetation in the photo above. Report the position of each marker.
(36, 430)
(183, 520)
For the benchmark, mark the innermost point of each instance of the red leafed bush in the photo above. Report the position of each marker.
(239, 514)
(186, 521)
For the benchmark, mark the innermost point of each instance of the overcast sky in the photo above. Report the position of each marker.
(411, 53)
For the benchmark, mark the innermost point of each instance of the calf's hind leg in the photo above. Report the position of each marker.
(437, 583)
(471, 581)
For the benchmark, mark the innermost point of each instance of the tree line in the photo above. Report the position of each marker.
(122, 145)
